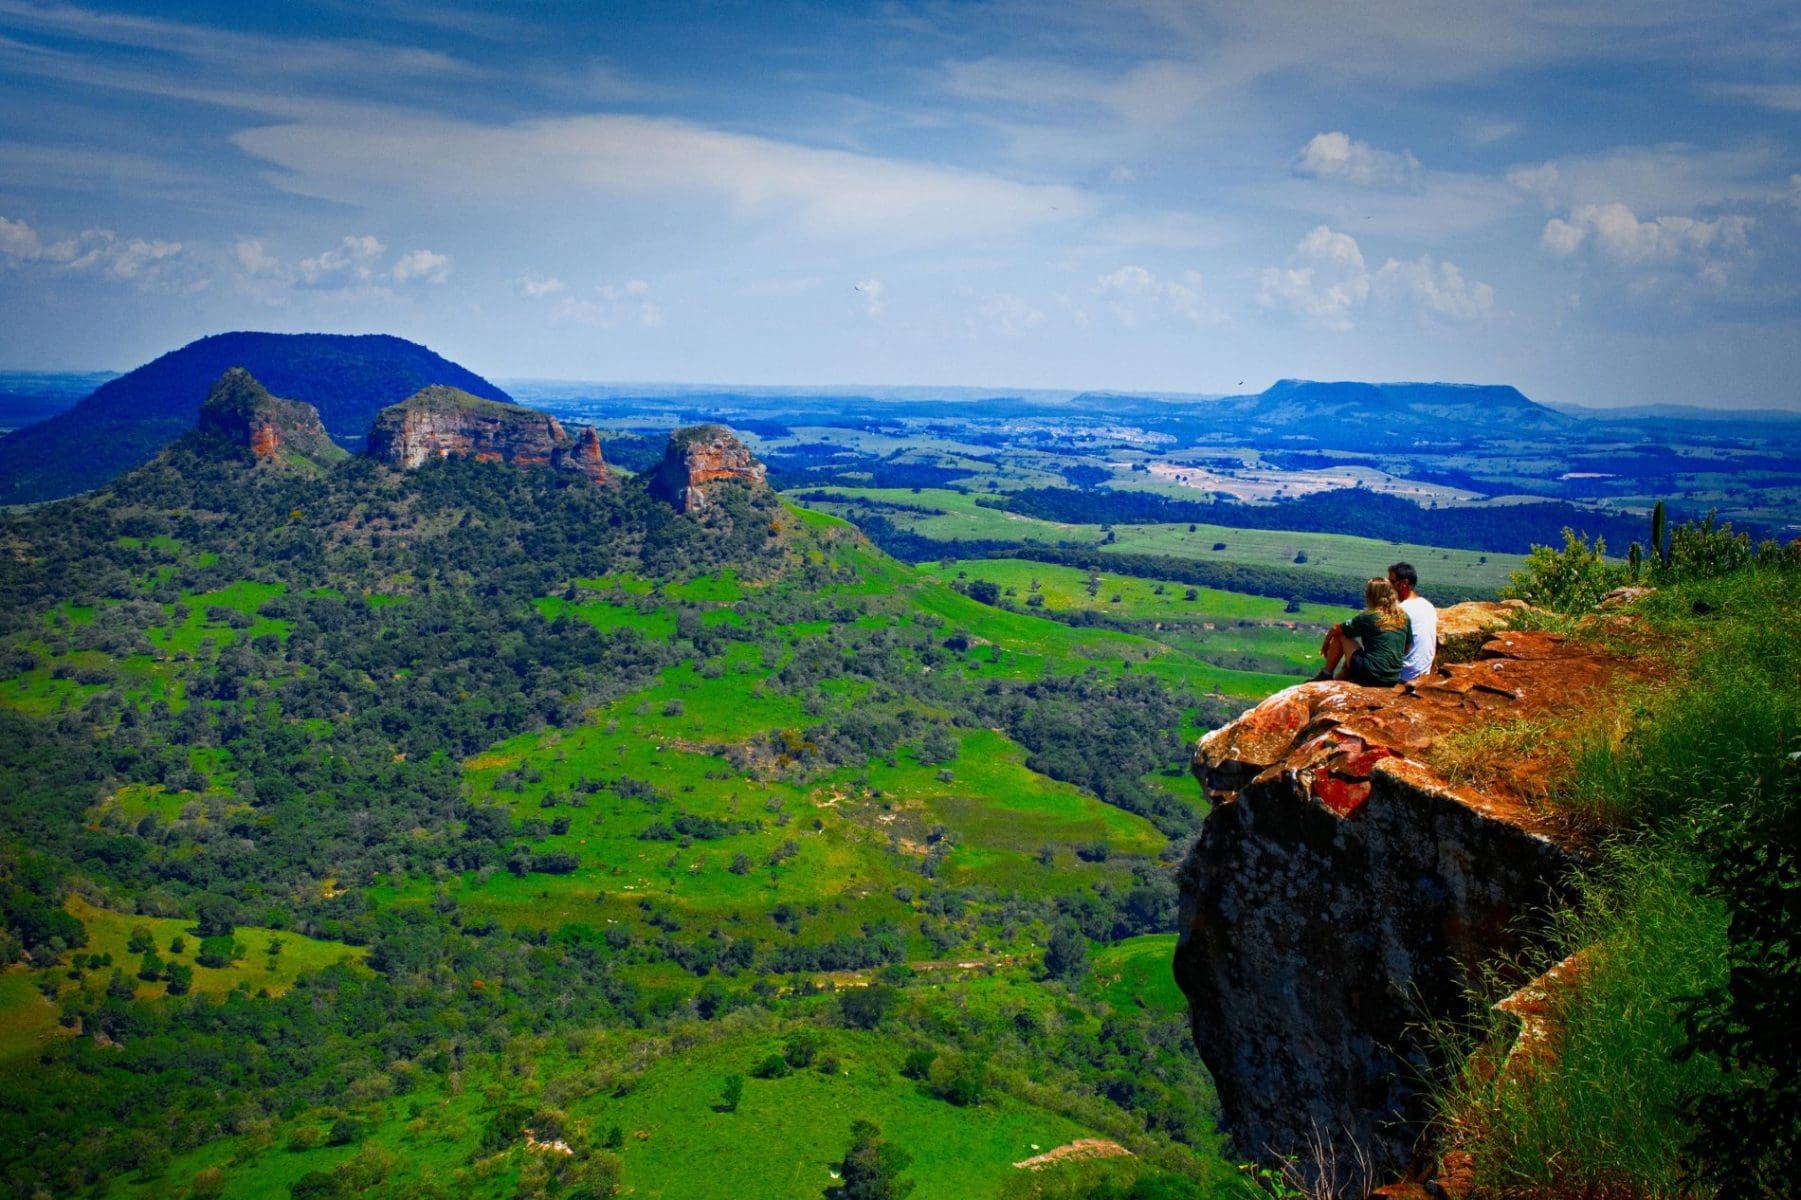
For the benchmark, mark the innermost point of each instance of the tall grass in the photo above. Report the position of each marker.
(1604, 1113)
(1599, 1114)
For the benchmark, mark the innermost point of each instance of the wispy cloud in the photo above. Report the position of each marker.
(812, 191)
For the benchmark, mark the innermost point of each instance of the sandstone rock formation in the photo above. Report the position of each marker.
(442, 422)
(1342, 893)
(699, 461)
(241, 410)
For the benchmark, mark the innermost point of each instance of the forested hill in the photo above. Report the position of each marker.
(348, 378)
(353, 790)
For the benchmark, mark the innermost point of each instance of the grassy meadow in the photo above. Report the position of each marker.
(956, 516)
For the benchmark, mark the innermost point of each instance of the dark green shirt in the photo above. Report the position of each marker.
(1383, 649)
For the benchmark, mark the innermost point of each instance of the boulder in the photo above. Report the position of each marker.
(1463, 628)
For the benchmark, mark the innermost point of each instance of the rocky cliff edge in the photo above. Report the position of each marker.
(700, 461)
(1343, 893)
(443, 422)
(240, 410)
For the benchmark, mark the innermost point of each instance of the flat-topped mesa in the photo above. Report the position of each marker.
(1342, 893)
(700, 460)
(443, 422)
(240, 410)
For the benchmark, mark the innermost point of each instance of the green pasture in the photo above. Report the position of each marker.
(1065, 589)
(1136, 973)
(1336, 554)
(789, 1132)
(26, 1020)
(244, 596)
(959, 518)
(857, 832)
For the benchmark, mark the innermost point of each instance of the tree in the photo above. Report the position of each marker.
(731, 1093)
(1066, 957)
(863, 1008)
(871, 1169)
(215, 916)
(216, 951)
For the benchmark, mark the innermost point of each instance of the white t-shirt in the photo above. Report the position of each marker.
(1419, 658)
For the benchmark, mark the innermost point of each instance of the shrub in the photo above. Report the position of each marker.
(772, 1067)
(1570, 580)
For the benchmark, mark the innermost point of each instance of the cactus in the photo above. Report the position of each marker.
(1635, 554)
(1658, 546)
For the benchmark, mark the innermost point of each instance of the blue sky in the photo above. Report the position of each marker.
(1599, 203)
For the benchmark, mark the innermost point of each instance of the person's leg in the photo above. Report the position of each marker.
(1357, 671)
(1334, 648)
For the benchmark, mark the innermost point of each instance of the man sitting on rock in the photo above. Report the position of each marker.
(1423, 617)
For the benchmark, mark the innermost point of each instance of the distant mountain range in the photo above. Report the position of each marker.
(349, 378)
(125, 421)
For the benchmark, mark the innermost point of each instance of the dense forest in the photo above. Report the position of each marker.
(312, 736)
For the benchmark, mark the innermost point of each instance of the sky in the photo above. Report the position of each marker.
(1599, 203)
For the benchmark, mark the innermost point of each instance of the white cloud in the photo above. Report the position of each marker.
(19, 242)
(133, 260)
(1132, 290)
(254, 259)
(1329, 284)
(423, 266)
(350, 262)
(1327, 247)
(138, 258)
(1009, 315)
(1614, 232)
(814, 191)
(1340, 158)
(1436, 289)
(870, 291)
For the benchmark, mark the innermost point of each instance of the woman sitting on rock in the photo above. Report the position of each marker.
(1373, 644)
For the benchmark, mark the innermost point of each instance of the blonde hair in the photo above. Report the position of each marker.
(1379, 597)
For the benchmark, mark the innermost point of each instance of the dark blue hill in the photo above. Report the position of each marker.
(347, 377)
(1363, 415)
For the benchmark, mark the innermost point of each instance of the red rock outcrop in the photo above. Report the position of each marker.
(699, 461)
(442, 422)
(1341, 893)
(241, 410)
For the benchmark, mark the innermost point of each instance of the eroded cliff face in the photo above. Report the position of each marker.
(699, 461)
(442, 422)
(1341, 894)
(241, 410)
